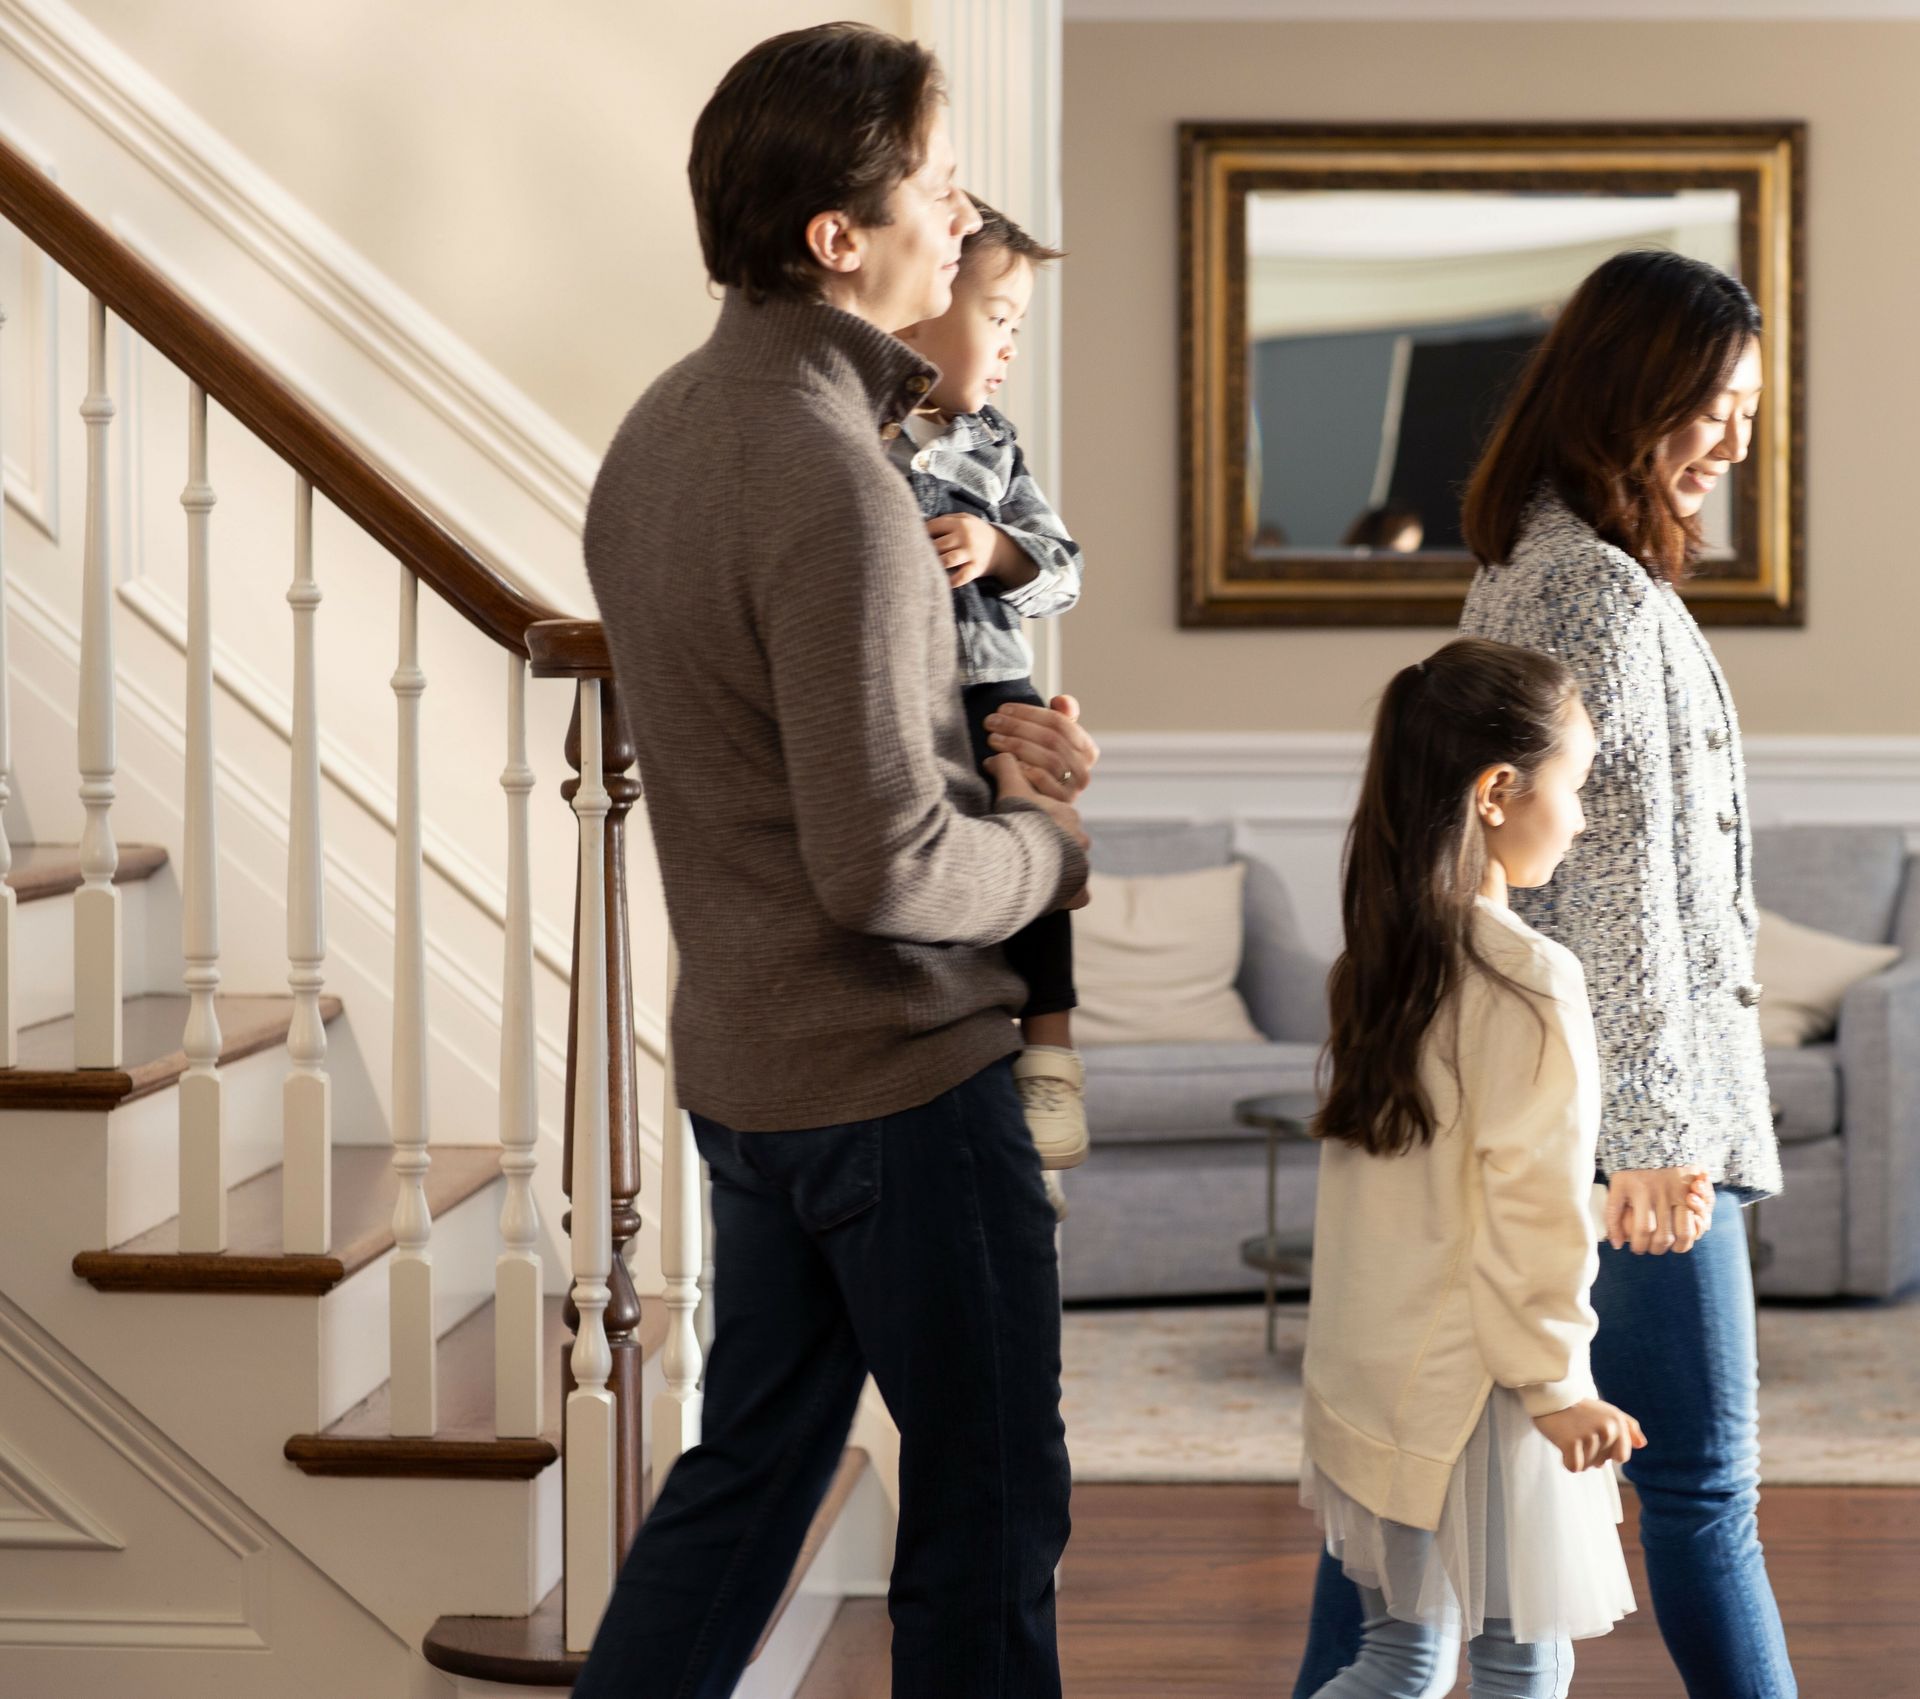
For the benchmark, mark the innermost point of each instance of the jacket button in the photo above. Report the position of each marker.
(1716, 739)
(889, 431)
(1748, 995)
(1728, 822)
(919, 383)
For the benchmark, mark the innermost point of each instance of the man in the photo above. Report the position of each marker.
(838, 880)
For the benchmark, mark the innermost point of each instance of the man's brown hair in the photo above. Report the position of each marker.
(999, 235)
(1647, 341)
(818, 120)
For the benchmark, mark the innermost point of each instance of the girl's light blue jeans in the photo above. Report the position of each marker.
(1404, 1660)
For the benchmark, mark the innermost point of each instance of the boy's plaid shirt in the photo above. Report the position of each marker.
(974, 465)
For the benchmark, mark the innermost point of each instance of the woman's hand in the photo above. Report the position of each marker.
(1048, 742)
(1656, 1210)
(1591, 1433)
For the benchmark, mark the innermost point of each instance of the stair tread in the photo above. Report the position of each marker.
(360, 1442)
(52, 870)
(364, 1189)
(532, 1650)
(153, 1028)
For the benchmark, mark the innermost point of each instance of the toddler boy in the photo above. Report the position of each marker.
(1008, 558)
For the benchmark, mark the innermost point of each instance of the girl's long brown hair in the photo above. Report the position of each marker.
(1646, 343)
(1414, 863)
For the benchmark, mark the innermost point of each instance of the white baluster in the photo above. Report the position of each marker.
(676, 1411)
(590, 1411)
(517, 1350)
(203, 1184)
(96, 905)
(306, 1098)
(9, 1021)
(410, 1280)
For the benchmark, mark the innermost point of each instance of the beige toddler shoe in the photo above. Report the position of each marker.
(1053, 1091)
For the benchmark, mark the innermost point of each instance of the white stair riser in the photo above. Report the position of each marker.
(43, 953)
(143, 1143)
(353, 1316)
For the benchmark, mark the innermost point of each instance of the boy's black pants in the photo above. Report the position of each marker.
(1041, 952)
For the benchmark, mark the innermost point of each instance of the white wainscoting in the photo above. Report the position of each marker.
(1291, 794)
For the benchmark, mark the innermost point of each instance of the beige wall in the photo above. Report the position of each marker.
(519, 169)
(1854, 669)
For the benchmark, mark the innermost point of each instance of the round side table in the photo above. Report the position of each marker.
(1285, 1118)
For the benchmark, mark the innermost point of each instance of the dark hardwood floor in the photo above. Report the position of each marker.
(1201, 1593)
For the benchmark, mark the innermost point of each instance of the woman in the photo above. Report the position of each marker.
(1584, 513)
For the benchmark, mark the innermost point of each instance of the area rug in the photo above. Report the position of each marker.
(1191, 1395)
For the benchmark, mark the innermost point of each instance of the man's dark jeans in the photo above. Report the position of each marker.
(918, 1248)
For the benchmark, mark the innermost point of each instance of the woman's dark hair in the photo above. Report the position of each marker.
(1414, 863)
(1646, 343)
(818, 120)
(999, 235)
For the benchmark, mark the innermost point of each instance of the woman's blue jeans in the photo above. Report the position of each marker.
(1675, 1349)
(1402, 1660)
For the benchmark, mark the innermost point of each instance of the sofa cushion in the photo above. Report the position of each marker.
(1841, 879)
(1804, 974)
(1805, 1085)
(1156, 956)
(1146, 1093)
(1282, 981)
(1158, 846)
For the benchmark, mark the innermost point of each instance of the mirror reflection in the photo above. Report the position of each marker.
(1383, 328)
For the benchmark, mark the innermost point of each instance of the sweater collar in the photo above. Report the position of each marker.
(784, 341)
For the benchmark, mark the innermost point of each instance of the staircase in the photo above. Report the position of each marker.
(249, 1264)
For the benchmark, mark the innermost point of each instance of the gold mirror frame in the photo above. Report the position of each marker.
(1224, 583)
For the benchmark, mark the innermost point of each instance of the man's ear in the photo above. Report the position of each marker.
(833, 242)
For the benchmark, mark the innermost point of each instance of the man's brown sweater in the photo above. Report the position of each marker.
(837, 878)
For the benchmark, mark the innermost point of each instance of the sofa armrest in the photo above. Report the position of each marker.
(1282, 982)
(1880, 1078)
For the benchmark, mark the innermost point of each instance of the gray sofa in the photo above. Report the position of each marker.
(1173, 1185)
(1848, 1220)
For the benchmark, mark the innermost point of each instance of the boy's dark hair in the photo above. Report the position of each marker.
(817, 120)
(998, 234)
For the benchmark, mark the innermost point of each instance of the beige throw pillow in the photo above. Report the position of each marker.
(1804, 974)
(1155, 957)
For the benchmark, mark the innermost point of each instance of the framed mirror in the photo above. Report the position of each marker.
(1355, 302)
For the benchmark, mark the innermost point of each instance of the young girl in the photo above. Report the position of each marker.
(1456, 1451)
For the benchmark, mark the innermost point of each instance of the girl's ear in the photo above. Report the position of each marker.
(1492, 792)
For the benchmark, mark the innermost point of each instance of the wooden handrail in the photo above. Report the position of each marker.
(277, 414)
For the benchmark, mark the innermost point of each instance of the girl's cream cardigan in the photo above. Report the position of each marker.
(1467, 1261)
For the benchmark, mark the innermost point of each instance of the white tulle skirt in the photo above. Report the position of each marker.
(1519, 1538)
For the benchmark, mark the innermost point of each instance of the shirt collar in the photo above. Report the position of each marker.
(788, 340)
(963, 432)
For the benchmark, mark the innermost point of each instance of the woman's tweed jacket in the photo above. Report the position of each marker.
(1656, 898)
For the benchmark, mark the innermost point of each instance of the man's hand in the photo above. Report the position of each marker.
(1048, 742)
(1591, 1433)
(1010, 780)
(1656, 1210)
(967, 547)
